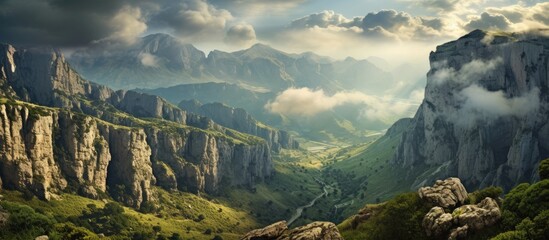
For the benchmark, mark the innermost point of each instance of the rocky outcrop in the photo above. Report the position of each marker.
(482, 143)
(272, 231)
(463, 219)
(312, 231)
(477, 217)
(448, 218)
(447, 193)
(239, 120)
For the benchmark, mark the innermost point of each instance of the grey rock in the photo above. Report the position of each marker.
(43, 237)
(272, 231)
(459, 233)
(312, 231)
(477, 217)
(445, 193)
(481, 149)
(436, 222)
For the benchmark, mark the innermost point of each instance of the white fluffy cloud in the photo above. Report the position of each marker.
(241, 35)
(481, 105)
(190, 19)
(148, 60)
(388, 24)
(305, 102)
(468, 73)
(516, 18)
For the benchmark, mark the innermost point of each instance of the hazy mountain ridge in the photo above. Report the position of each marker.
(484, 117)
(169, 62)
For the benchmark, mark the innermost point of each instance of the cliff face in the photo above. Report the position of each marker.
(485, 114)
(238, 119)
(47, 150)
(93, 140)
(202, 162)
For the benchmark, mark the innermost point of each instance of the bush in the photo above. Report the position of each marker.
(68, 231)
(491, 192)
(208, 231)
(24, 222)
(511, 235)
(535, 200)
(544, 169)
(400, 218)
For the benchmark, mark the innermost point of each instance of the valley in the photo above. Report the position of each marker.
(212, 161)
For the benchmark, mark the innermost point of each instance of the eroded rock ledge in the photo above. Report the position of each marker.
(280, 231)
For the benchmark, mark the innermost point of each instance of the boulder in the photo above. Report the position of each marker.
(447, 193)
(480, 216)
(437, 222)
(313, 231)
(43, 237)
(272, 231)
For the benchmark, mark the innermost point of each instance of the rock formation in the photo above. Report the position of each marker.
(447, 194)
(312, 231)
(448, 218)
(457, 134)
(89, 139)
(238, 119)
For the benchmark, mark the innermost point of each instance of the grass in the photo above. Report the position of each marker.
(179, 213)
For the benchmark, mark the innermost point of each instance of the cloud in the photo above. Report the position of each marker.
(256, 7)
(516, 18)
(322, 19)
(240, 35)
(148, 60)
(447, 6)
(489, 21)
(305, 102)
(469, 73)
(480, 105)
(128, 25)
(190, 19)
(68, 23)
(385, 24)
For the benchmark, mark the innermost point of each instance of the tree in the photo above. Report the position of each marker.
(544, 169)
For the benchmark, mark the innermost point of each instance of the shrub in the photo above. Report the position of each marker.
(544, 169)
(24, 222)
(491, 192)
(400, 218)
(511, 235)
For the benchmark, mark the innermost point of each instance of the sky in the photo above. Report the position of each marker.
(396, 30)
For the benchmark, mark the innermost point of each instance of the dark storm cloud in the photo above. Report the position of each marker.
(81, 22)
(59, 22)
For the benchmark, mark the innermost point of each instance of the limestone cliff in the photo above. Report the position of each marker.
(238, 119)
(86, 138)
(485, 114)
(47, 151)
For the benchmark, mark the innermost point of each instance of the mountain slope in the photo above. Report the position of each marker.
(86, 138)
(484, 118)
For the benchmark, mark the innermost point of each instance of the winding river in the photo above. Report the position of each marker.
(299, 210)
